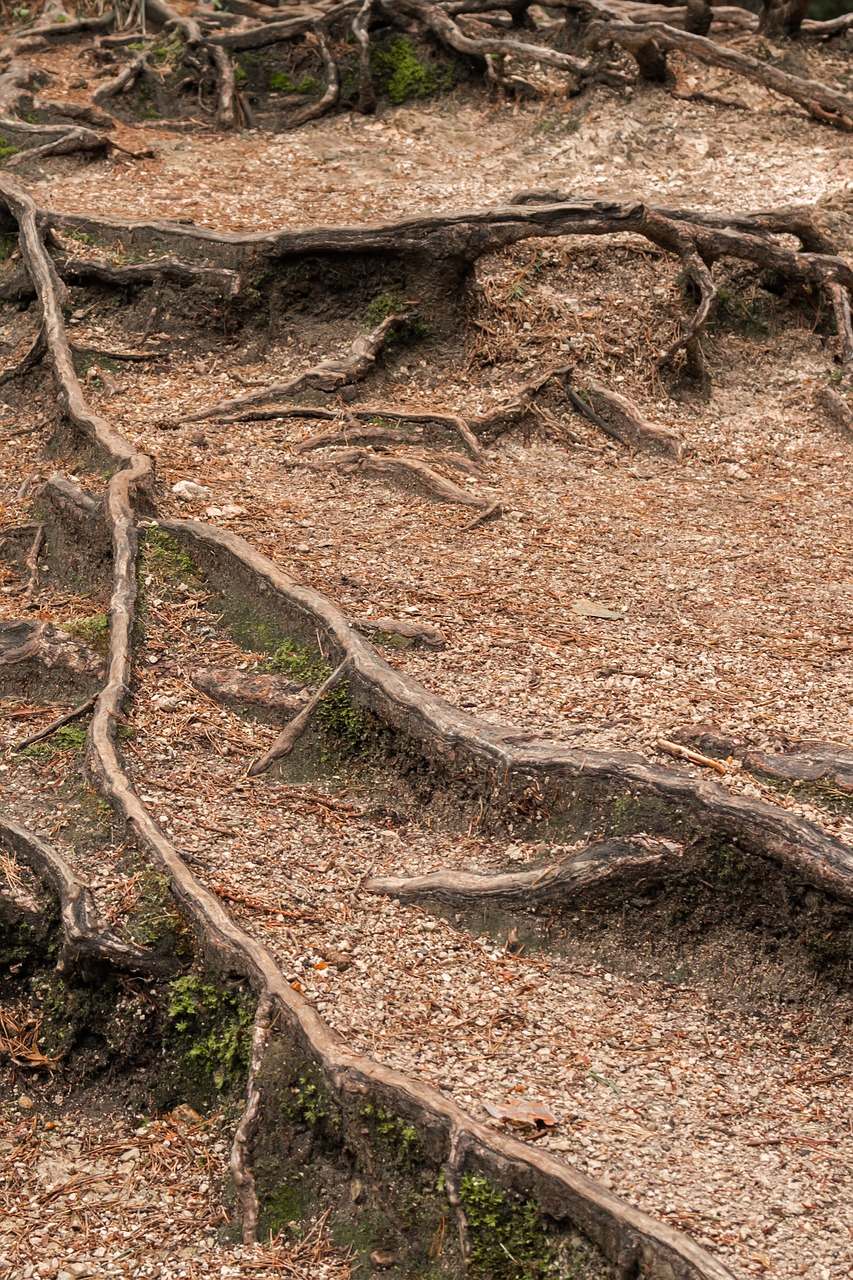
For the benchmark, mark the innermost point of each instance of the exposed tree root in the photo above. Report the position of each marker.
(409, 470)
(244, 1137)
(289, 736)
(331, 375)
(34, 352)
(225, 282)
(450, 740)
(368, 435)
(32, 562)
(82, 709)
(332, 91)
(87, 938)
(799, 762)
(122, 81)
(266, 697)
(650, 43)
(559, 881)
(404, 631)
(611, 1224)
(640, 432)
(33, 654)
(721, 15)
(455, 242)
(671, 801)
(476, 32)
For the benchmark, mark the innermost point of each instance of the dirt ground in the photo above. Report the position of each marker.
(716, 1095)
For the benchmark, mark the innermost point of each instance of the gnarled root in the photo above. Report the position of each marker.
(609, 861)
(86, 936)
(330, 375)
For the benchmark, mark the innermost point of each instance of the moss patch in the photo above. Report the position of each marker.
(166, 558)
(155, 921)
(281, 82)
(402, 74)
(93, 631)
(212, 1031)
(508, 1238)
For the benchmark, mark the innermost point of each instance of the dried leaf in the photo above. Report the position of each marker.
(589, 609)
(524, 1115)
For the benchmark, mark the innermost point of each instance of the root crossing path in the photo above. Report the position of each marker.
(563, 996)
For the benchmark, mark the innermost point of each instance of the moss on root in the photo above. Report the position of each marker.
(211, 1029)
(403, 74)
(508, 1240)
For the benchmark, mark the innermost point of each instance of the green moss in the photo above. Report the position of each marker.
(241, 75)
(393, 1136)
(167, 559)
(291, 659)
(213, 1025)
(93, 631)
(629, 813)
(344, 725)
(412, 329)
(8, 245)
(281, 82)
(401, 74)
(731, 865)
(308, 1102)
(289, 1204)
(155, 921)
(508, 1239)
(71, 737)
(168, 50)
(7, 149)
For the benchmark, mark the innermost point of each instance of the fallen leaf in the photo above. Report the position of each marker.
(589, 609)
(525, 1115)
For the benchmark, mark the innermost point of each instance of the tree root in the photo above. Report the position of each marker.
(697, 239)
(225, 282)
(626, 1236)
(639, 432)
(87, 938)
(244, 1136)
(609, 861)
(289, 736)
(82, 709)
(824, 103)
(265, 697)
(33, 354)
(331, 93)
(800, 762)
(330, 375)
(405, 632)
(408, 470)
(505, 761)
(123, 81)
(36, 654)
(32, 562)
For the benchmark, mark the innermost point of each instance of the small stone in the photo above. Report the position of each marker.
(25, 1102)
(189, 491)
(381, 1259)
(515, 853)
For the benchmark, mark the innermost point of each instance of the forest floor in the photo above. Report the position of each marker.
(712, 1089)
